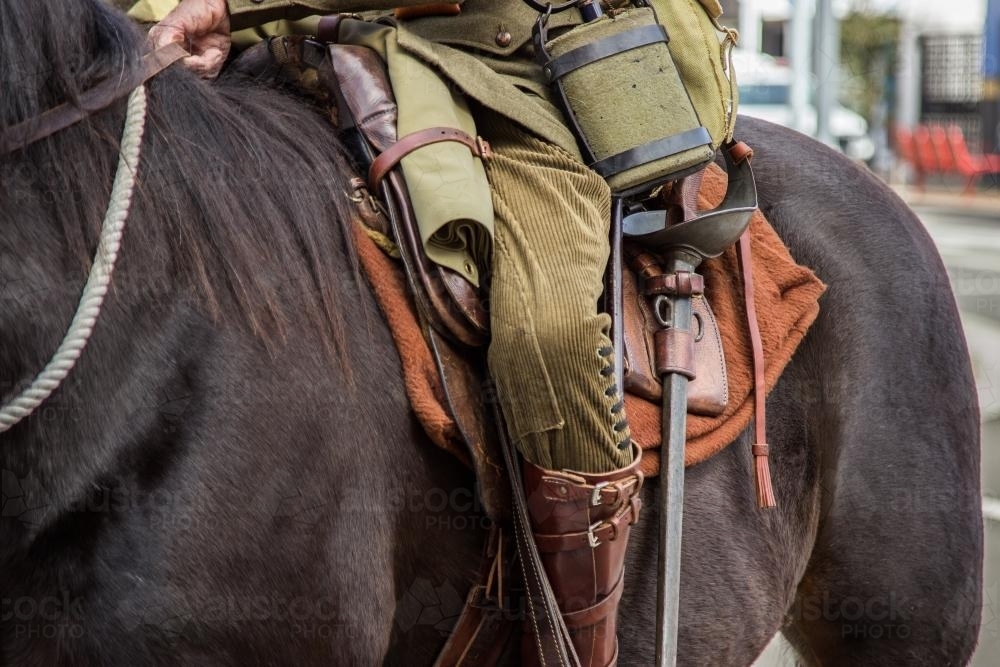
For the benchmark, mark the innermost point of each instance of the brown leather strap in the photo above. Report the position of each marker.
(674, 352)
(563, 490)
(430, 9)
(682, 283)
(553, 640)
(90, 101)
(642, 263)
(594, 614)
(599, 533)
(391, 156)
(740, 151)
(482, 631)
(762, 472)
(328, 30)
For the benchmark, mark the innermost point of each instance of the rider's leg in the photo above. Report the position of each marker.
(552, 361)
(551, 355)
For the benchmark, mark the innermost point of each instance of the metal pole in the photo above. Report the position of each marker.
(991, 78)
(801, 71)
(827, 68)
(750, 25)
(671, 500)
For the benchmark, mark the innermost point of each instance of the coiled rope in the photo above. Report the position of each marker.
(99, 280)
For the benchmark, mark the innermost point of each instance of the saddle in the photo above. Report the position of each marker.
(454, 320)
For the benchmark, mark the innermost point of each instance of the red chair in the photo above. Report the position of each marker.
(971, 165)
(908, 152)
(924, 148)
(943, 152)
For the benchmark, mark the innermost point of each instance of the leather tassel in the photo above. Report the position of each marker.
(762, 471)
(762, 475)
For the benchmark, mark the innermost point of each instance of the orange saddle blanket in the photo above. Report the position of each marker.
(787, 297)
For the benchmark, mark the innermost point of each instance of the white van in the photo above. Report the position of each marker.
(765, 92)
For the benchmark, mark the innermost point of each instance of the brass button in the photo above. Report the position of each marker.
(504, 38)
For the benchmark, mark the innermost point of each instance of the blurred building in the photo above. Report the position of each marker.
(941, 65)
(991, 78)
(948, 58)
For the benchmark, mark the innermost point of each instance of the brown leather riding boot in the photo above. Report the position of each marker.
(581, 524)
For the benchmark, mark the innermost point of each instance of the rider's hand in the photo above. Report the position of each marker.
(202, 27)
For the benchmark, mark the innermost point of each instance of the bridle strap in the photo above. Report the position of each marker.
(90, 101)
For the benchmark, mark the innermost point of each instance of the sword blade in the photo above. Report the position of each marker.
(671, 500)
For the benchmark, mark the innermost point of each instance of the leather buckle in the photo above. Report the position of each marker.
(595, 495)
(485, 151)
(592, 538)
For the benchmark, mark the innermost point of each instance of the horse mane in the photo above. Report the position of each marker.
(239, 200)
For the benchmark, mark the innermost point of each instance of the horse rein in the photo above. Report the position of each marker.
(92, 100)
(112, 229)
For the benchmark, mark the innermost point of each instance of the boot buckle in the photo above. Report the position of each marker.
(592, 534)
(595, 494)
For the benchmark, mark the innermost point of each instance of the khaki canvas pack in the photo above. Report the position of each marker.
(644, 87)
(701, 49)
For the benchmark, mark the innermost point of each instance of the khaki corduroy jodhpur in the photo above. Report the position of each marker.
(550, 356)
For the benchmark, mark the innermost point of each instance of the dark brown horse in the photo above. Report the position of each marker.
(214, 484)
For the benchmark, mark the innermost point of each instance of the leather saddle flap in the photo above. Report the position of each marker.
(357, 77)
(708, 392)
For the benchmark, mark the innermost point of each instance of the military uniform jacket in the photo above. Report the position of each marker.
(486, 51)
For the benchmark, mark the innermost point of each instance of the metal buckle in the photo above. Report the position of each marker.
(551, 8)
(595, 495)
(592, 536)
(484, 148)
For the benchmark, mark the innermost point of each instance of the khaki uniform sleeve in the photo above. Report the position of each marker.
(247, 13)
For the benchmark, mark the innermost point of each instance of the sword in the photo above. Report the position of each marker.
(683, 246)
(675, 367)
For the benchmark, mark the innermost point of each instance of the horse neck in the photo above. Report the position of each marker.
(215, 249)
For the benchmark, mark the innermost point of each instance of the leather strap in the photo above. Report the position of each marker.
(682, 283)
(610, 495)
(604, 48)
(430, 9)
(675, 352)
(762, 472)
(598, 612)
(328, 30)
(391, 156)
(652, 151)
(555, 646)
(90, 101)
(482, 631)
(604, 531)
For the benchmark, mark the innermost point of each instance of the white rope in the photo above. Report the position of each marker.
(99, 281)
